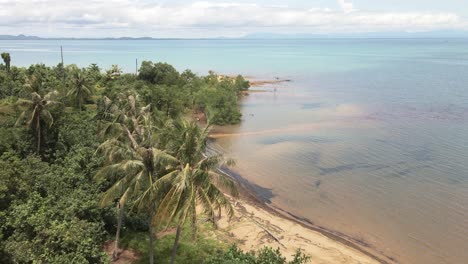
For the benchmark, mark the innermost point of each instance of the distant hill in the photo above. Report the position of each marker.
(18, 37)
(24, 37)
(267, 35)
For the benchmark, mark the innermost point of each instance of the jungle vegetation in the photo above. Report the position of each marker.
(88, 155)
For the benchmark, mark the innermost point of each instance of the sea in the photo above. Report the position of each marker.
(367, 138)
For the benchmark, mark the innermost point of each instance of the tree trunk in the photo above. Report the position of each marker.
(194, 222)
(176, 243)
(115, 254)
(151, 234)
(215, 221)
(38, 127)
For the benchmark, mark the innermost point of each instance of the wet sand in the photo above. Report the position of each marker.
(260, 83)
(256, 224)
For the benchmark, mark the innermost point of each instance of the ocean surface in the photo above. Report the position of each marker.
(369, 139)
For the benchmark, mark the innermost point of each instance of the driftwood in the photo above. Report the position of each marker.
(268, 232)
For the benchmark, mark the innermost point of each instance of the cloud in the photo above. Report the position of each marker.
(137, 18)
(346, 5)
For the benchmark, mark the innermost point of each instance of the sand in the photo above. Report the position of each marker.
(254, 226)
(260, 83)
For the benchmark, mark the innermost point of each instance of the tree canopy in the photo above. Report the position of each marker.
(75, 141)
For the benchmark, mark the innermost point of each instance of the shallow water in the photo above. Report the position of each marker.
(369, 139)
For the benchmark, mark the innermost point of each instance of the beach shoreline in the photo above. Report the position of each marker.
(284, 226)
(250, 204)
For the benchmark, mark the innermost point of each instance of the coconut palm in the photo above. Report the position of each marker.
(114, 72)
(197, 183)
(134, 174)
(37, 116)
(80, 89)
(35, 84)
(134, 163)
(7, 60)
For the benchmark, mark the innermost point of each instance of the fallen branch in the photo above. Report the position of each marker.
(268, 232)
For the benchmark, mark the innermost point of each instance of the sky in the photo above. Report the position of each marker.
(234, 18)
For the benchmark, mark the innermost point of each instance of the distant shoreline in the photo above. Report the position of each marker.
(422, 35)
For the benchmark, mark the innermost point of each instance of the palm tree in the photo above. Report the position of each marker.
(135, 174)
(37, 115)
(198, 181)
(7, 60)
(80, 89)
(135, 161)
(94, 72)
(35, 84)
(114, 72)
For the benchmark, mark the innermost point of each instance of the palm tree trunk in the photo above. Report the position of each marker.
(38, 138)
(115, 254)
(151, 234)
(176, 243)
(215, 221)
(194, 221)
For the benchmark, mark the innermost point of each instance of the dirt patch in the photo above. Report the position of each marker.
(165, 232)
(125, 256)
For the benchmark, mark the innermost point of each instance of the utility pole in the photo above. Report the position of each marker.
(61, 54)
(136, 66)
(63, 66)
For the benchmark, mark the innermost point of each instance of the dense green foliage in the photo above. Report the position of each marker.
(74, 142)
(50, 209)
(265, 255)
(188, 251)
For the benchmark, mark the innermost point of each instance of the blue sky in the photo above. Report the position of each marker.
(232, 18)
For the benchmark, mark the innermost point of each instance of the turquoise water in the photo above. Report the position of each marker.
(248, 56)
(370, 138)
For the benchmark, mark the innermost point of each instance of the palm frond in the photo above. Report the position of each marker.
(225, 182)
(116, 190)
(220, 200)
(24, 102)
(47, 117)
(20, 119)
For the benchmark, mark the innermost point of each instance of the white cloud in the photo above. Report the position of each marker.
(346, 5)
(143, 18)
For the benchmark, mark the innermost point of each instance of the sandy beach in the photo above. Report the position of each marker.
(257, 224)
(253, 227)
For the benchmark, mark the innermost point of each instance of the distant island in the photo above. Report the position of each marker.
(25, 37)
(270, 35)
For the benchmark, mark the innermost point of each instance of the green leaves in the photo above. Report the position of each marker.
(219, 103)
(265, 255)
(197, 180)
(129, 142)
(37, 115)
(51, 212)
(80, 89)
(158, 73)
(7, 60)
(172, 93)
